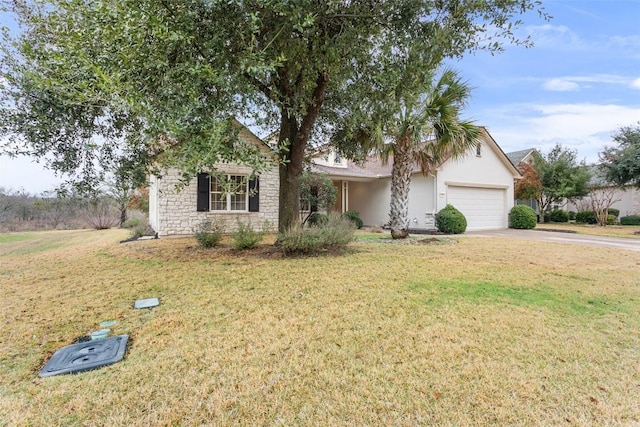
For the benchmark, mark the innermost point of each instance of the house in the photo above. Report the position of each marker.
(175, 211)
(480, 185)
(627, 200)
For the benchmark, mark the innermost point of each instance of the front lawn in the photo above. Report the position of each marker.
(465, 332)
(626, 231)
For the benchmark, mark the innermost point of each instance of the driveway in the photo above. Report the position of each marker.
(558, 237)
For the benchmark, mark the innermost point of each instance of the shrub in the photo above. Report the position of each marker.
(317, 218)
(354, 216)
(546, 217)
(451, 221)
(558, 215)
(134, 223)
(614, 212)
(522, 217)
(572, 215)
(611, 220)
(338, 232)
(586, 217)
(246, 237)
(630, 220)
(208, 233)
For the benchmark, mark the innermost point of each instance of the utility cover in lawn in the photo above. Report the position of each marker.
(86, 356)
(146, 303)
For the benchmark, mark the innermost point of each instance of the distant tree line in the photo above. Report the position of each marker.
(22, 211)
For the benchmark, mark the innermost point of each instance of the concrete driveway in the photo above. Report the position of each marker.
(558, 237)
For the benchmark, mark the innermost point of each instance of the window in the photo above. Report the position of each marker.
(231, 195)
(479, 150)
(337, 159)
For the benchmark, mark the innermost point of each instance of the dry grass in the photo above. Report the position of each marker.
(478, 332)
(626, 231)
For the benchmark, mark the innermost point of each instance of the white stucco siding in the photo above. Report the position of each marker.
(627, 202)
(153, 202)
(372, 200)
(421, 202)
(481, 187)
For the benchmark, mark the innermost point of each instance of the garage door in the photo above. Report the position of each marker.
(484, 208)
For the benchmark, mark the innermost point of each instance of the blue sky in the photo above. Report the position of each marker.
(576, 86)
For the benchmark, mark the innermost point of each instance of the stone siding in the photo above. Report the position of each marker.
(175, 210)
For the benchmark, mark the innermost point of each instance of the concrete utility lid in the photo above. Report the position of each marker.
(146, 303)
(85, 356)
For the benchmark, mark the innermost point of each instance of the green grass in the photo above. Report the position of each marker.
(14, 237)
(539, 297)
(473, 332)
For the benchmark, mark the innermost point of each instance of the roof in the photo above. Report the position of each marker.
(517, 156)
(373, 167)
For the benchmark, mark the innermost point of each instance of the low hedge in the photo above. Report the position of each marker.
(354, 216)
(451, 221)
(614, 212)
(522, 217)
(630, 220)
(586, 217)
(558, 215)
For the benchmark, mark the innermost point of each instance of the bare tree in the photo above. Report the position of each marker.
(601, 199)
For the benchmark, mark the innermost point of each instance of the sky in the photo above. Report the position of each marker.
(576, 86)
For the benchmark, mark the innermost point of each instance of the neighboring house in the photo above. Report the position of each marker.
(480, 185)
(518, 158)
(627, 200)
(177, 212)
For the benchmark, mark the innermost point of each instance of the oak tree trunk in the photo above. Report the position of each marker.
(292, 141)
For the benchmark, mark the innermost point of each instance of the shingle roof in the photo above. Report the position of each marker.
(372, 167)
(517, 156)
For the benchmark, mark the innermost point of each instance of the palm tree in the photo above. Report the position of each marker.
(426, 131)
(420, 127)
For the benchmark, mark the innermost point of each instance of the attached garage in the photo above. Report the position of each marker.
(484, 207)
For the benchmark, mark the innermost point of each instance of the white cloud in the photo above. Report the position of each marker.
(635, 83)
(560, 85)
(555, 36)
(586, 127)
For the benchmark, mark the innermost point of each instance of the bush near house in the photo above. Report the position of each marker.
(558, 215)
(611, 220)
(246, 237)
(208, 233)
(614, 212)
(630, 220)
(317, 218)
(522, 217)
(354, 216)
(451, 221)
(586, 217)
(335, 234)
(572, 215)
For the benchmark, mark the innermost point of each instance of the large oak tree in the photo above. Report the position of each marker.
(85, 81)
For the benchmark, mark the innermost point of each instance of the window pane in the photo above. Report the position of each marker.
(218, 202)
(218, 198)
(238, 196)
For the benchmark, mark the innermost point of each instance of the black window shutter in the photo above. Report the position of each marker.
(204, 191)
(254, 195)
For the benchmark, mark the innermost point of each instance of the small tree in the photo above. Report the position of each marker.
(621, 163)
(317, 192)
(561, 178)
